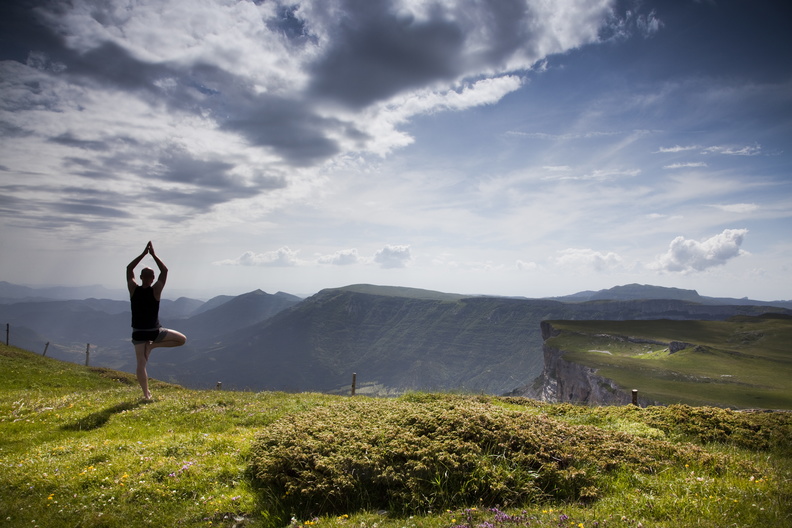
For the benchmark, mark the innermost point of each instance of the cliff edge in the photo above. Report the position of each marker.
(567, 381)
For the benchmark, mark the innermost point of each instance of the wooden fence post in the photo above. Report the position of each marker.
(45, 349)
(87, 353)
(635, 397)
(354, 382)
(8, 330)
(219, 385)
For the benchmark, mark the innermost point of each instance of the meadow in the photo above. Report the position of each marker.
(78, 447)
(743, 362)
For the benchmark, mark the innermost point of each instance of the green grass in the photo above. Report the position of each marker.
(79, 448)
(745, 362)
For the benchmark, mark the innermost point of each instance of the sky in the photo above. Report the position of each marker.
(518, 148)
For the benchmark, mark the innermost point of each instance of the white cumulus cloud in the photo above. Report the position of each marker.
(686, 255)
(283, 257)
(393, 256)
(588, 259)
(343, 257)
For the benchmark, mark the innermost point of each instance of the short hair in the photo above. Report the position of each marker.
(147, 271)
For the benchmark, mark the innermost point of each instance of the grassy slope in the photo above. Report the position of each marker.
(79, 448)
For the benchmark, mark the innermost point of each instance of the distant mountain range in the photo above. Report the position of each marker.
(14, 293)
(394, 339)
(630, 292)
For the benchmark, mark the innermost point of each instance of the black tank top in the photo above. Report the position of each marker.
(145, 309)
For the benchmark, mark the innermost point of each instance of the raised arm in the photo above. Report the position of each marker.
(163, 275)
(130, 270)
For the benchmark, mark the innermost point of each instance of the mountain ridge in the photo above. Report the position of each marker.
(395, 339)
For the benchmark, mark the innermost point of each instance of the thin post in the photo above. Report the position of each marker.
(635, 397)
(354, 382)
(8, 330)
(45, 349)
(87, 353)
(219, 385)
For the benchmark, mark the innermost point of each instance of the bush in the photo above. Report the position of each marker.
(756, 431)
(422, 454)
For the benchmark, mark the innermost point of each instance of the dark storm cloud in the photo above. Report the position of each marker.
(376, 53)
(371, 53)
(70, 141)
(112, 64)
(24, 31)
(197, 200)
(181, 179)
(209, 182)
(291, 128)
(353, 52)
(287, 126)
(73, 203)
(178, 166)
(87, 207)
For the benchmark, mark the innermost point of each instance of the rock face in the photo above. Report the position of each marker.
(564, 381)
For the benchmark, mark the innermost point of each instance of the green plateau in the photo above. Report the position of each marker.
(743, 362)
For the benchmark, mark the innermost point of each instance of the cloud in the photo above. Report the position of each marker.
(632, 22)
(689, 165)
(748, 150)
(343, 257)
(205, 103)
(283, 257)
(562, 137)
(727, 150)
(676, 148)
(588, 259)
(737, 207)
(393, 256)
(596, 175)
(379, 50)
(526, 266)
(686, 255)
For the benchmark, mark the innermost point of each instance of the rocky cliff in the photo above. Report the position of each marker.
(565, 381)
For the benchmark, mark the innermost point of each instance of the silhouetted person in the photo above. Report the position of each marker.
(147, 333)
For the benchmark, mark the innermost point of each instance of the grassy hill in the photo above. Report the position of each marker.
(79, 448)
(744, 362)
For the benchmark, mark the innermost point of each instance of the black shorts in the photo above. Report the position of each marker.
(144, 336)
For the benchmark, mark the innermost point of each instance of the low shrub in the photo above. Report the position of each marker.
(424, 454)
(757, 431)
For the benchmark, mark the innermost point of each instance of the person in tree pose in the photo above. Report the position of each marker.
(147, 332)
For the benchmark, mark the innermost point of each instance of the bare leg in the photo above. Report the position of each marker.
(172, 339)
(141, 353)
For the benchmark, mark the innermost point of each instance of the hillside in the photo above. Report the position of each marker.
(743, 362)
(79, 448)
(68, 325)
(397, 340)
